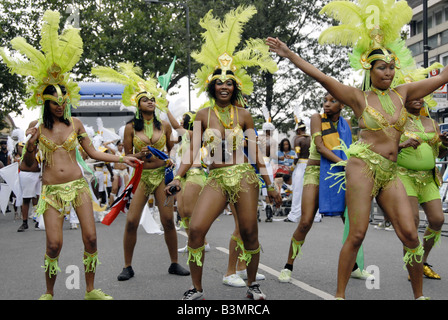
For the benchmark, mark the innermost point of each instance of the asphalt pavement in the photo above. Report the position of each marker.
(314, 275)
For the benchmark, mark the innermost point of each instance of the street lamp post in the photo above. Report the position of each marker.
(187, 13)
(425, 34)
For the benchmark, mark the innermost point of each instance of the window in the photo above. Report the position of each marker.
(416, 48)
(444, 60)
(433, 42)
(438, 17)
(413, 27)
(444, 37)
(419, 27)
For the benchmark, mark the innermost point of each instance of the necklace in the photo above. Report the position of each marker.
(417, 124)
(385, 100)
(149, 128)
(225, 116)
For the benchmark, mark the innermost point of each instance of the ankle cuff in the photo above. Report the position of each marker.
(296, 248)
(195, 255)
(185, 222)
(413, 255)
(246, 255)
(433, 234)
(51, 266)
(90, 261)
(239, 243)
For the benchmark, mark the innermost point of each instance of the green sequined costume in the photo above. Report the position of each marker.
(312, 175)
(62, 196)
(151, 179)
(382, 171)
(196, 176)
(228, 180)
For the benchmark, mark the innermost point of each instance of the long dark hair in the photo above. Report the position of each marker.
(211, 87)
(47, 118)
(139, 122)
(188, 124)
(280, 146)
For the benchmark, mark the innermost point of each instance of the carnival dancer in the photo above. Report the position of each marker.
(224, 128)
(236, 273)
(146, 129)
(301, 143)
(421, 144)
(120, 173)
(327, 130)
(195, 177)
(31, 184)
(268, 146)
(371, 170)
(57, 134)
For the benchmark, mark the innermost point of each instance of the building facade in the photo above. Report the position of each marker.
(437, 14)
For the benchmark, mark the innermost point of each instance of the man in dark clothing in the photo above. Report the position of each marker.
(4, 158)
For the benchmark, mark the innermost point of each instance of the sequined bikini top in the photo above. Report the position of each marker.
(213, 137)
(47, 147)
(139, 144)
(414, 129)
(374, 120)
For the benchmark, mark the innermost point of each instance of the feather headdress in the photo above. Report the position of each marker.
(369, 25)
(135, 86)
(297, 111)
(51, 65)
(417, 74)
(267, 125)
(218, 51)
(297, 117)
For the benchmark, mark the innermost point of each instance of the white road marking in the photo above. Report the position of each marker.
(300, 284)
(322, 294)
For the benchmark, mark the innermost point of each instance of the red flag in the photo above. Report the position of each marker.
(119, 204)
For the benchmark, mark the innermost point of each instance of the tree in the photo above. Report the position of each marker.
(12, 87)
(296, 22)
(150, 35)
(112, 32)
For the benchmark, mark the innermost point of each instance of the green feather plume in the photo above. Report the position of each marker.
(69, 49)
(232, 27)
(63, 50)
(224, 36)
(130, 76)
(357, 20)
(50, 36)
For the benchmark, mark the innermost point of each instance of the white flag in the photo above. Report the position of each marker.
(5, 192)
(149, 223)
(11, 176)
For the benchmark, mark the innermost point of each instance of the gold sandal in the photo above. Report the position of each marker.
(429, 273)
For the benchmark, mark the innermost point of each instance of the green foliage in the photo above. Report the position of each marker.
(151, 34)
(295, 23)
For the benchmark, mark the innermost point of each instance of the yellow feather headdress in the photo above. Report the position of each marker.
(370, 25)
(417, 74)
(218, 51)
(51, 65)
(135, 86)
